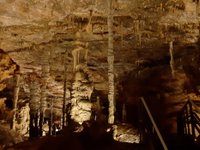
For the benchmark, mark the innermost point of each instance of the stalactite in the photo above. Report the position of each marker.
(86, 53)
(74, 60)
(78, 56)
(161, 6)
(140, 38)
(110, 58)
(122, 35)
(80, 53)
(89, 25)
(171, 58)
(75, 54)
(15, 99)
(137, 26)
(72, 21)
(95, 2)
(138, 32)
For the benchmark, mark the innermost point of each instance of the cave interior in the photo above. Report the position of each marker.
(99, 74)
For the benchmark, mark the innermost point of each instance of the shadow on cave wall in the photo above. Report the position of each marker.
(191, 67)
(148, 84)
(154, 81)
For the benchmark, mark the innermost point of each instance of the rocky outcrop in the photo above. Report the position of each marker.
(7, 69)
(8, 137)
(23, 120)
(126, 133)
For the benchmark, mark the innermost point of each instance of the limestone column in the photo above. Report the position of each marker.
(110, 59)
(51, 117)
(64, 91)
(43, 99)
(15, 99)
(34, 105)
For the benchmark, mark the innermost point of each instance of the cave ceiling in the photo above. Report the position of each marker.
(31, 30)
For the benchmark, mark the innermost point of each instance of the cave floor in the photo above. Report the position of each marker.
(94, 138)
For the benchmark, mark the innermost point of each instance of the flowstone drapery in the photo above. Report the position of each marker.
(80, 53)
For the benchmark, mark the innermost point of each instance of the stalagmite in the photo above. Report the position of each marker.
(15, 99)
(51, 117)
(122, 35)
(110, 58)
(171, 58)
(98, 104)
(81, 93)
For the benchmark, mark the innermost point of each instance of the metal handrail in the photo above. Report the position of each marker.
(191, 121)
(154, 124)
(189, 101)
(196, 108)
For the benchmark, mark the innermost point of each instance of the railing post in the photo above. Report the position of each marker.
(185, 125)
(192, 120)
(187, 121)
(141, 122)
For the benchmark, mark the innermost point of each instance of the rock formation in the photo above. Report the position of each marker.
(80, 102)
